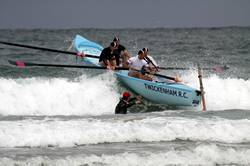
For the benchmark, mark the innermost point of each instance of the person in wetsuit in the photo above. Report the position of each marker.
(108, 56)
(126, 102)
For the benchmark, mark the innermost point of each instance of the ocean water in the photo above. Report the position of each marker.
(61, 116)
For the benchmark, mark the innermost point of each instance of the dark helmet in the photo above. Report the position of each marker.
(145, 49)
(140, 52)
(116, 39)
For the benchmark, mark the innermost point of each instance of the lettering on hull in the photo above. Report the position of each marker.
(172, 92)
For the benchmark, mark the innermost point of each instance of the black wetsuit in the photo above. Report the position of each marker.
(107, 54)
(121, 107)
(118, 53)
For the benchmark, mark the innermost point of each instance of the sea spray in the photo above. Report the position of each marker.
(59, 96)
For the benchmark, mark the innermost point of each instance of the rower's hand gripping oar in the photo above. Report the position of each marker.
(49, 49)
(22, 64)
(144, 71)
(148, 60)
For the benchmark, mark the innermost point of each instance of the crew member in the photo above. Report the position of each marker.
(138, 67)
(126, 102)
(108, 56)
(122, 54)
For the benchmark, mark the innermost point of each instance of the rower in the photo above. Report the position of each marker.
(138, 66)
(122, 54)
(107, 57)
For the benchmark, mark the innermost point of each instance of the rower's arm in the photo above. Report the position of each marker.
(125, 52)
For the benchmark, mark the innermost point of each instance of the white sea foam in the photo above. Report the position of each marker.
(58, 96)
(229, 93)
(99, 95)
(222, 93)
(56, 132)
(210, 154)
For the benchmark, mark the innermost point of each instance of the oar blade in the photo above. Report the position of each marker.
(220, 69)
(19, 64)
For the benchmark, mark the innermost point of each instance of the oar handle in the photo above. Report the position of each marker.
(147, 59)
(48, 49)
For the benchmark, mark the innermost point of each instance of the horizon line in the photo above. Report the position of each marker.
(121, 28)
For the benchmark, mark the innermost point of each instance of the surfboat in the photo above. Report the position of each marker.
(163, 91)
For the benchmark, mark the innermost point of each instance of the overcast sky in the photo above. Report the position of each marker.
(123, 13)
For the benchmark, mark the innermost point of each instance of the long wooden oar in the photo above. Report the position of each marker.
(22, 64)
(49, 49)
